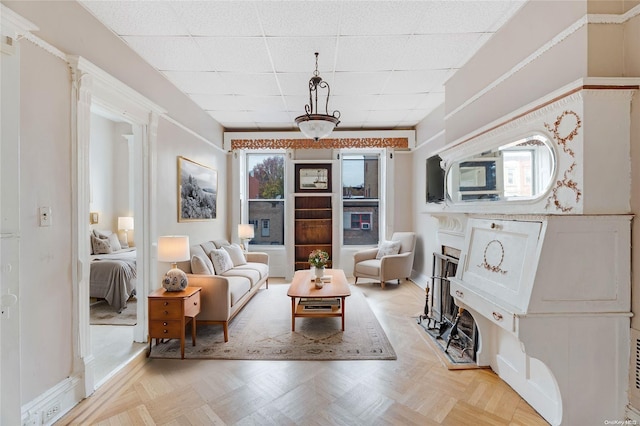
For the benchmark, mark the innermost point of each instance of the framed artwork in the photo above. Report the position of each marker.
(197, 191)
(313, 177)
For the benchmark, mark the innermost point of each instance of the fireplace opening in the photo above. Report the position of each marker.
(452, 328)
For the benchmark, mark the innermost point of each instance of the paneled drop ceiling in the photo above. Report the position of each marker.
(248, 63)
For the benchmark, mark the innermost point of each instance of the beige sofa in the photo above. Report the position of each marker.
(224, 293)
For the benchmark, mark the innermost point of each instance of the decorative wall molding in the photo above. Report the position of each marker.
(328, 143)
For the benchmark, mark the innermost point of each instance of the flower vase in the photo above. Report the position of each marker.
(319, 272)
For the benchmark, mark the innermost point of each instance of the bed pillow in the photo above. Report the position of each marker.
(102, 234)
(114, 242)
(100, 246)
(236, 254)
(199, 266)
(221, 261)
(388, 248)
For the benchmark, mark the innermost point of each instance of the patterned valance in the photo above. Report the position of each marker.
(328, 143)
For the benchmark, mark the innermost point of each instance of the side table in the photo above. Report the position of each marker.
(169, 313)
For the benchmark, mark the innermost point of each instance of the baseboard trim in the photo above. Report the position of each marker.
(52, 404)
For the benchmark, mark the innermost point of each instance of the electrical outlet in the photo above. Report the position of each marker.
(52, 411)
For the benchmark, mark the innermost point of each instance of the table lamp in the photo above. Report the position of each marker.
(245, 233)
(173, 249)
(125, 224)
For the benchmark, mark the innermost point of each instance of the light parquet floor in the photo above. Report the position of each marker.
(415, 389)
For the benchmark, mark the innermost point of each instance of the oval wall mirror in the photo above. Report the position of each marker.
(517, 171)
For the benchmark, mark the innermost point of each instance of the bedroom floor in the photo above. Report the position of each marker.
(112, 346)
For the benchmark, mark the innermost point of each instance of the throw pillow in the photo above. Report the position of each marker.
(114, 242)
(388, 248)
(101, 234)
(100, 246)
(199, 266)
(221, 261)
(236, 254)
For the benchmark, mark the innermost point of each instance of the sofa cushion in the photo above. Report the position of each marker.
(252, 275)
(207, 247)
(262, 268)
(369, 267)
(221, 261)
(199, 265)
(388, 248)
(238, 287)
(236, 254)
(220, 243)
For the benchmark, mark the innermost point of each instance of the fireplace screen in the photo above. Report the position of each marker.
(451, 327)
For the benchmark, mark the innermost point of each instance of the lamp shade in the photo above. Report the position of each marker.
(125, 223)
(245, 231)
(173, 248)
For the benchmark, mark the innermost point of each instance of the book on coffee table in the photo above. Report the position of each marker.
(317, 301)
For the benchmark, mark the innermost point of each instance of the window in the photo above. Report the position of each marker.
(360, 198)
(357, 220)
(265, 194)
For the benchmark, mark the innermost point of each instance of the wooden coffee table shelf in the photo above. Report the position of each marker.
(303, 287)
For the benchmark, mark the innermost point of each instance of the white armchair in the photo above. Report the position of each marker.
(387, 267)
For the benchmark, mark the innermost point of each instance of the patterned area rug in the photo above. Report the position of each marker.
(262, 331)
(101, 313)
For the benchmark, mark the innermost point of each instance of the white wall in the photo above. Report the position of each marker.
(111, 186)
(102, 173)
(45, 252)
(173, 142)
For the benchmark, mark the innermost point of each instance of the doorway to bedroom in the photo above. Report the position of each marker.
(114, 262)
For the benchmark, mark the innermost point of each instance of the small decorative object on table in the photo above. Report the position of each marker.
(174, 248)
(319, 259)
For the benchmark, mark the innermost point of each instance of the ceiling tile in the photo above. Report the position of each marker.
(431, 101)
(217, 102)
(299, 18)
(219, 18)
(203, 82)
(250, 83)
(240, 54)
(249, 63)
(441, 51)
(380, 17)
(292, 54)
(397, 102)
(418, 81)
(359, 83)
(362, 102)
(137, 17)
(261, 103)
(370, 53)
(169, 53)
(463, 16)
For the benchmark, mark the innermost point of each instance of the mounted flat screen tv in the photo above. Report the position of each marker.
(435, 180)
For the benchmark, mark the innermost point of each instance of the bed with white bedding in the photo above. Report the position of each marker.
(112, 273)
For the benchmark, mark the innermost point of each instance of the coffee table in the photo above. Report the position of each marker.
(303, 287)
